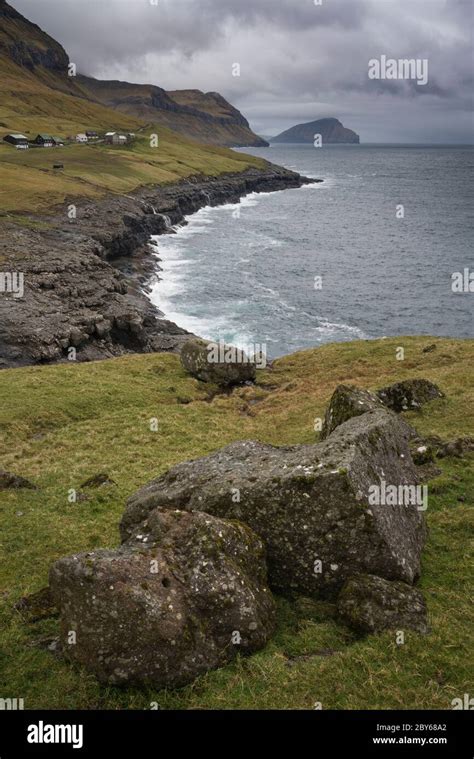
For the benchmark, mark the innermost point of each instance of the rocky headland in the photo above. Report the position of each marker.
(86, 266)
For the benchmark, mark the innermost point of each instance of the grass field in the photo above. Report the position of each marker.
(29, 183)
(63, 424)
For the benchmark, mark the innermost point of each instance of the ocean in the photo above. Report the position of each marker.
(329, 262)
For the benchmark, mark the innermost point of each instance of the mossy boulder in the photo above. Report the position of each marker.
(184, 596)
(409, 395)
(346, 402)
(217, 363)
(371, 604)
(311, 504)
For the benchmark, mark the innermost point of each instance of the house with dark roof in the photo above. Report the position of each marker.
(44, 140)
(16, 139)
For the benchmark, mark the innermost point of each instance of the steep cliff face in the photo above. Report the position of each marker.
(27, 45)
(331, 131)
(24, 47)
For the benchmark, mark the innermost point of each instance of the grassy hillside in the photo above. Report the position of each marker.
(30, 183)
(35, 85)
(31, 103)
(63, 424)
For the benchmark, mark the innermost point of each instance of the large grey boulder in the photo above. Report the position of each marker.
(183, 598)
(346, 402)
(371, 604)
(313, 505)
(409, 395)
(217, 363)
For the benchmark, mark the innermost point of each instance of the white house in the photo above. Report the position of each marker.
(81, 138)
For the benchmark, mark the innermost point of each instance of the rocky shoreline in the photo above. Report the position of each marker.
(85, 269)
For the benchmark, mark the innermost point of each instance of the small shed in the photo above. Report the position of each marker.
(19, 140)
(44, 140)
(82, 138)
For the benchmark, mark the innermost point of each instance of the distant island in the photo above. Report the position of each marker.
(331, 131)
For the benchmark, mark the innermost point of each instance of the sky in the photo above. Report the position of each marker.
(299, 60)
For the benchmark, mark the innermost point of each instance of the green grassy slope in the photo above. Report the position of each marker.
(30, 183)
(62, 424)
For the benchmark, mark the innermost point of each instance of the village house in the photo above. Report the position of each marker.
(18, 140)
(82, 138)
(114, 138)
(44, 141)
(58, 142)
(92, 136)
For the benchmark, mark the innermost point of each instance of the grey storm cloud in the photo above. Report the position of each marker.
(299, 60)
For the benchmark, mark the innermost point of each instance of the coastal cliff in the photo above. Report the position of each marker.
(85, 278)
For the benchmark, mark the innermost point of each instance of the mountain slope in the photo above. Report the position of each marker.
(208, 118)
(34, 81)
(331, 131)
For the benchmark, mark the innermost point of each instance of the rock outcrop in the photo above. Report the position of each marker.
(409, 395)
(346, 402)
(187, 589)
(371, 604)
(220, 364)
(174, 602)
(311, 504)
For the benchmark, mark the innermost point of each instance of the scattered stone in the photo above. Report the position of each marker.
(184, 596)
(98, 481)
(422, 454)
(456, 448)
(429, 348)
(216, 363)
(37, 606)
(441, 449)
(409, 395)
(346, 402)
(371, 604)
(9, 481)
(309, 503)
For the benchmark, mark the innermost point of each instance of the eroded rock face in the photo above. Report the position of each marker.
(409, 395)
(346, 402)
(219, 364)
(182, 599)
(309, 503)
(371, 604)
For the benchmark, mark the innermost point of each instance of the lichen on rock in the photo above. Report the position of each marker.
(371, 604)
(180, 599)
